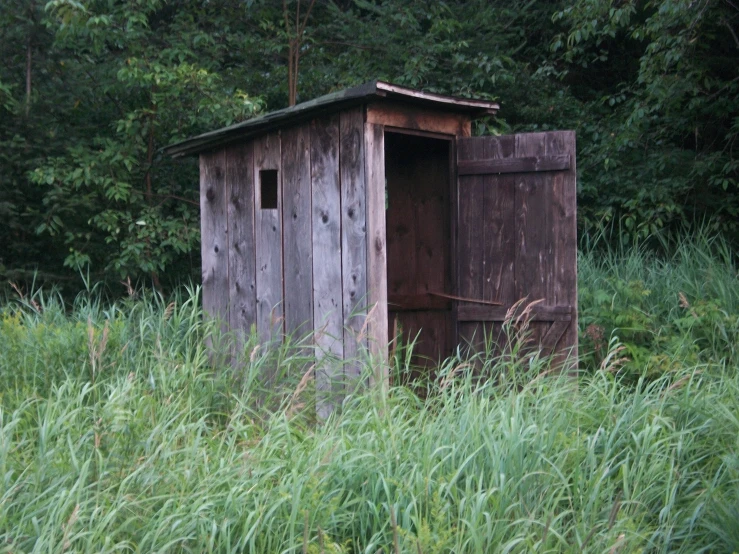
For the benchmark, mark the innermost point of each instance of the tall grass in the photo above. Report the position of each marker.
(118, 434)
(666, 307)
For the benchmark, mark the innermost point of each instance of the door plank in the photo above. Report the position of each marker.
(539, 312)
(470, 238)
(533, 262)
(564, 236)
(499, 230)
(552, 337)
(508, 164)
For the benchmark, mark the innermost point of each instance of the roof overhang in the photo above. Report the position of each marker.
(324, 104)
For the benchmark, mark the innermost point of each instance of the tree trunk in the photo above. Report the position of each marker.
(293, 51)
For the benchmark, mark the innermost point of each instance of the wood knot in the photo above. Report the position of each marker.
(378, 244)
(350, 212)
(210, 194)
(324, 217)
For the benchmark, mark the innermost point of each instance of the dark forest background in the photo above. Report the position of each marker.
(91, 90)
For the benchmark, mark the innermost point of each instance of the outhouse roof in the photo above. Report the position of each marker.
(374, 90)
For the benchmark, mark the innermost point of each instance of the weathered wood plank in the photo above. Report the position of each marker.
(500, 236)
(402, 116)
(529, 164)
(534, 248)
(564, 237)
(377, 324)
(268, 231)
(242, 260)
(297, 231)
(470, 239)
(327, 285)
(498, 313)
(353, 238)
(427, 332)
(553, 336)
(214, 236)
(498, 226)
(453, 325)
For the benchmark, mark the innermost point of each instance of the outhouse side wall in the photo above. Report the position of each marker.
(227, 237)
(301, 265)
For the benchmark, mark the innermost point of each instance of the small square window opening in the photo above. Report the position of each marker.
(268, 187)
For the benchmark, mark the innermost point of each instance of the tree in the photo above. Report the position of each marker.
(662, 81)
(138, 82)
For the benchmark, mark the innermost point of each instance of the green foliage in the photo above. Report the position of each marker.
(659, 310)
(136, 209)
(113, 83)
(661, 81)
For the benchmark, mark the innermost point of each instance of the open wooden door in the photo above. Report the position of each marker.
(517, 238)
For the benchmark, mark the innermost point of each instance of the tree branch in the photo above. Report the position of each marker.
(723, 88)
(733, 34)
(307, 14)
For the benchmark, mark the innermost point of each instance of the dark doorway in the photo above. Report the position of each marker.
(419, 261)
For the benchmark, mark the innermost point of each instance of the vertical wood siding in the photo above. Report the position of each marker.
(353, 239)
(268, 228)
(297, 231)
(327, 279)
(241, 256)
(214, 233)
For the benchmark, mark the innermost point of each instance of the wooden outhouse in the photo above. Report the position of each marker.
(372, 210)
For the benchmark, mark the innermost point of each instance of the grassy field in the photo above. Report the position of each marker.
(117, 435)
